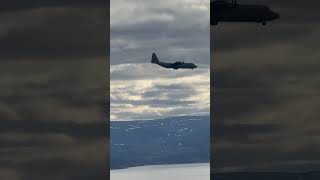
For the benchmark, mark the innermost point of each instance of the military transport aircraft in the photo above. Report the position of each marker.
(223, 11)
(176, 65)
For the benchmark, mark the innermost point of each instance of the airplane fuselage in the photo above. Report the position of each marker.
(177, 66)
(228, 12)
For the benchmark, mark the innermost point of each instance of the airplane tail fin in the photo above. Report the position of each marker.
(154, 58)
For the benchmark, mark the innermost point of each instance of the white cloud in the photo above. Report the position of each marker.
(146, 91)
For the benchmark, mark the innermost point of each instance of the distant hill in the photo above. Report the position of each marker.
(174, 140)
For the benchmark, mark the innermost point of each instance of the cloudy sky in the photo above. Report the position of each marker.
(53, 86)
(53, 63)
(176, 30)
(265, 91)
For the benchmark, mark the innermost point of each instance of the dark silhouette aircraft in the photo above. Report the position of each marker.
(223, 11)
(176, 65)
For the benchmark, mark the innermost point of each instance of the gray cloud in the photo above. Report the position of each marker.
(53, 104)
(15, 5)
(298, 21)
(144, 91)
(176, 34)
(157, 92)
(56, 34)
(265, 92)
(42, 111)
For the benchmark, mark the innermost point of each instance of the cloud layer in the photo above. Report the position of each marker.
(148, 91)
(53, 90)
(177, 30)
(265, 92)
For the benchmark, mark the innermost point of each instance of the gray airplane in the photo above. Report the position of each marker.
(176, 65)
(222, 11)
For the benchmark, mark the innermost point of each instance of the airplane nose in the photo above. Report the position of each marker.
(276, 16)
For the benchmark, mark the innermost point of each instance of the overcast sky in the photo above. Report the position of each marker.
(177, 31)
(266, 91)
(53, 66)
(53, 69)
